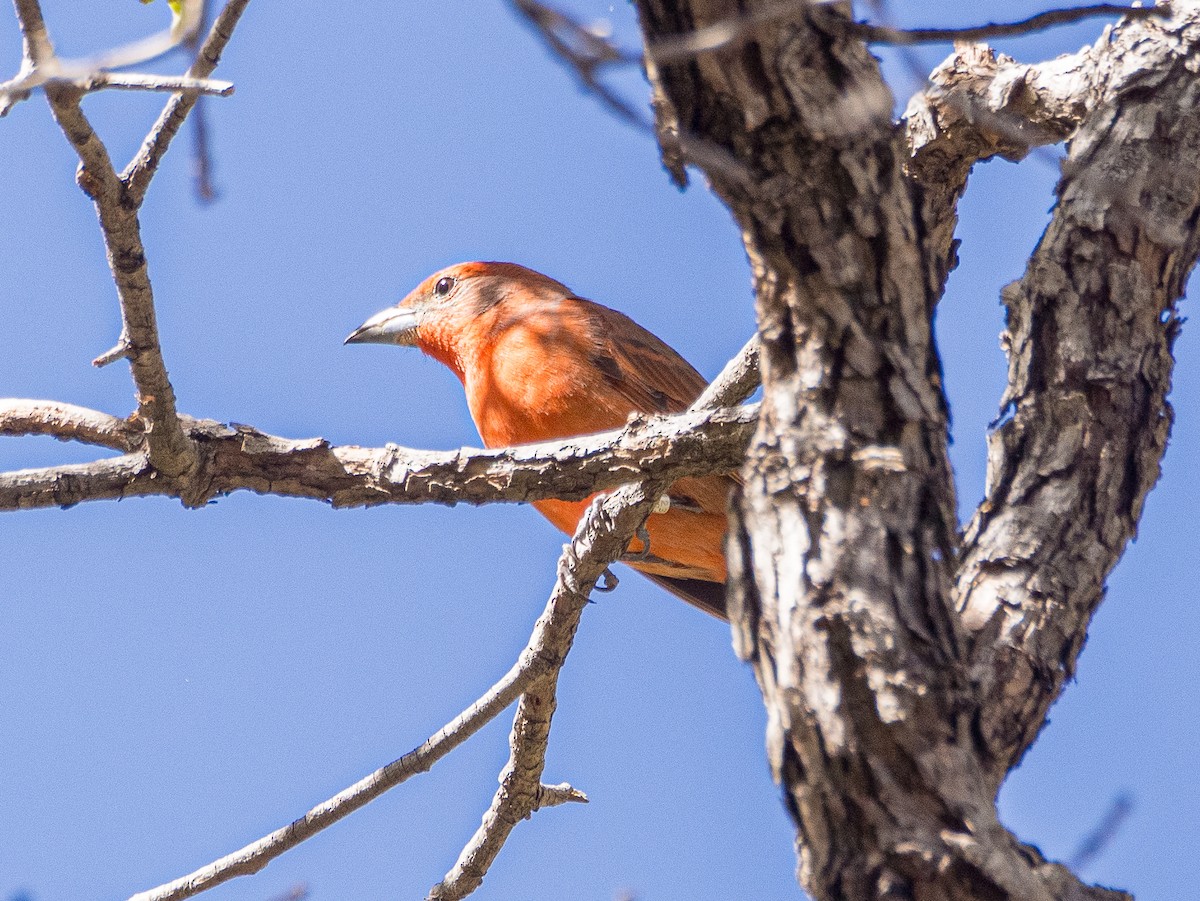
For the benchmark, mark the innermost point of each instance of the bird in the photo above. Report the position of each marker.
(539, 363)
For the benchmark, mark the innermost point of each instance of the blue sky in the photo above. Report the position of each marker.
(177, 683)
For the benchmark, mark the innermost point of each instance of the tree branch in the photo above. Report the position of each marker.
(170, 451)
(135, 81)
(980, 104)
(232, 458)
(845, 537)
(586, 53)
(65, 486)
(40, 66)
(117, 200)
(1090, 330)
(883, 34)
(601, 538)
(736, 381)
(37, 49)
(537, 658)
(67, 422)
(141, 169)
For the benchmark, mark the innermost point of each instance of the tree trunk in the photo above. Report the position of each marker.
(893, 717)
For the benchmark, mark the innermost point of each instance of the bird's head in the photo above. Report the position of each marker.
(453, 303)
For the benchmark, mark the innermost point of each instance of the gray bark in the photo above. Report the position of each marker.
(905, 669)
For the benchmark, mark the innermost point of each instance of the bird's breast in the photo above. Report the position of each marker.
(529, 389)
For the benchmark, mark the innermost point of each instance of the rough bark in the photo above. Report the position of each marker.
(237, 457)
(890, 726)
(1085, 416)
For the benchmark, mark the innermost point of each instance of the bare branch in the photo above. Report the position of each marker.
(734, 29)
(1089, 335)
(554, 795)
(117, 199)
(91, 80)
(585, 53)
(37, 50)
(170, 450)
(298, 892)
(140, 171)
(1094, 843)
(735, 382)
(233, 458)
(202, 166)
(979, 104)
(67, 422)
(119, 351)
(65, 486)
(537, 659)
(135, 81)
(601, 538)
(41, 67)
(883, 34)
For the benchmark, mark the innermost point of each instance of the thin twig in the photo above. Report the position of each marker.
(37, 49)
(1094, 843)
(119, 351)
(554, 795)
(586, 53)
(202, 166)
(88, 81)
(735, 29)
(298, 892)
(135, 81)
(41, 67)
(256, 855)
(736, 381)
(883, 34)
(144, 49)
(140, 171)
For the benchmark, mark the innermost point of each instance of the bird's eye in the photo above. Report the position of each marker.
(443, 286)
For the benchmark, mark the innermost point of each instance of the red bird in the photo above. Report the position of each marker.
(540, 364)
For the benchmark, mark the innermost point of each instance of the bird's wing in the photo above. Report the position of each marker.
(644, 370)
(653, 378)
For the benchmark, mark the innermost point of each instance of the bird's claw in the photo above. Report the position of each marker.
(643, 535)
(610, 582)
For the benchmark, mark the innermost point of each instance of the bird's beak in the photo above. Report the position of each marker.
(395, 325)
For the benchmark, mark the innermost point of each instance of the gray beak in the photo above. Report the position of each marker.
(395, 325)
